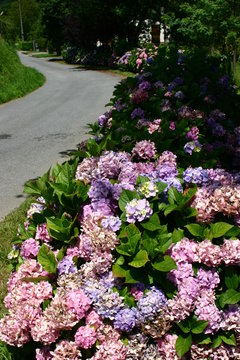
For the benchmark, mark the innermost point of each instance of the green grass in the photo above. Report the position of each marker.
(104, 68)
(39, 56)
(8, 230)
(16, 80)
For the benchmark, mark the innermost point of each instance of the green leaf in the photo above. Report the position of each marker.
(177, 235)
(216, 341)
(93, 147)
(199, 326)
(190, 212)
(229, 340)
(219, 229)
(134, 235)
(162, 206)
(234, 232)
(161, 187)
(31, 188)
(195, 229)
(165, 264)
(142, 179)
(202, 339)
(174, 196)
(59, 229)
(231, 278)
(185, 326)
(117, 268)
(140, 259)
(164, 242)
(131, 277)
(183, 344)
(60, 254)
(126, 197)
(65, 176)
(47, 259)
(123, 249)
(229, 297)
(170, 209)
(56, 170)
(149, 243)
(152, 224)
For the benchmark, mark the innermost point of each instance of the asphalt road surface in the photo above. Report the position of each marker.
(36, 131)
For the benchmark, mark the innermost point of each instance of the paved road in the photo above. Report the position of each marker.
(35, 131)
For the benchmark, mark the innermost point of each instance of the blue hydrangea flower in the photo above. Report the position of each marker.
(126, 319)
(100, 189)
(195, 175)
(138, 112)
(106, 302)
(112, 223)
(151, 303)
(66, 266)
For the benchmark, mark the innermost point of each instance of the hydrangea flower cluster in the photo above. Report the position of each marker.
(138, 210)
(103, 269)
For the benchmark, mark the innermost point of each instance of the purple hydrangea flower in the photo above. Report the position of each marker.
(105, 301)
(159, 84)
(151, 303)
(173, 182)
(145, 85)
(166, 170)
(102, 120)
(126, 319)
(193, 133)
(185, 112)
(100, 189)
(179, 95)
(192, 146)
(137, 112)
(195, 176)
(66, 266)
(112, 223)
(218, 130)
(138, 210)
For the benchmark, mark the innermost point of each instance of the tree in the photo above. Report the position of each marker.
(30, 17)
(210, 24)
(82, 23)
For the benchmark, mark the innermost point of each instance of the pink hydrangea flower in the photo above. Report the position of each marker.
(30, 248)
(93, 319)
(85, 337)
(78, 303)
(144, 149)
(42, 233)
(111, 350)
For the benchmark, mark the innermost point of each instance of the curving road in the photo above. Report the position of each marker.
(37, 130)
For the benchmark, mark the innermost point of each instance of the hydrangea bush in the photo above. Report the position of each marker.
(132, 247)
(138, 59)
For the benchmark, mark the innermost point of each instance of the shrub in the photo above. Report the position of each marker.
(132, 247)
(25, 45)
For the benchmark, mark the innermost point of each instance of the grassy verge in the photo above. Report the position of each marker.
(16, 80)
(39, 56)
(107, 69)
(8, 230)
